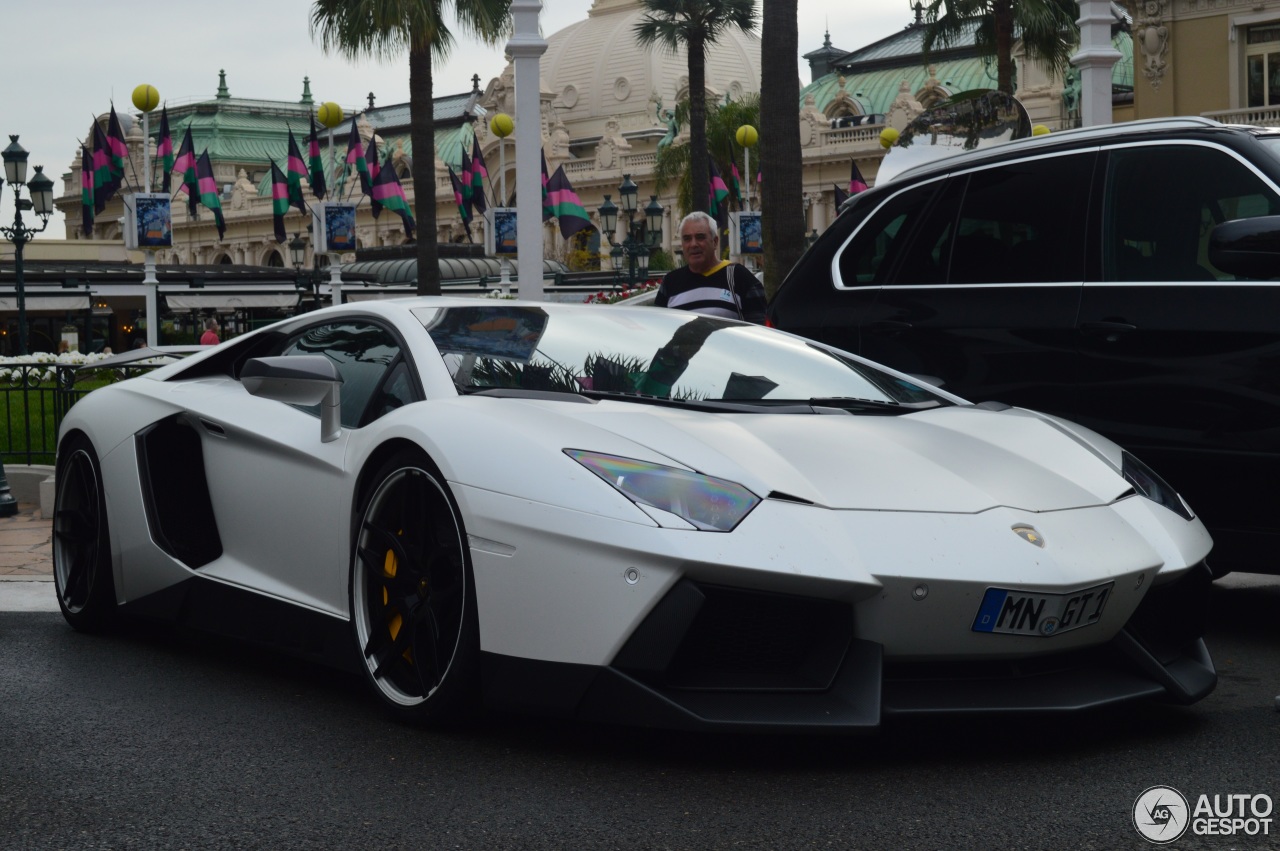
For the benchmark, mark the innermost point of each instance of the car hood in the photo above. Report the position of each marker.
(953, 459)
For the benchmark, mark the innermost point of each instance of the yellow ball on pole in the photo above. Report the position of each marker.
(887, 137)
(146, 98)
(329, 114)
(747, 136)
(501, 125)
(1039, 130)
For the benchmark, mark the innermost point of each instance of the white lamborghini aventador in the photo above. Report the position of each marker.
(631, 514)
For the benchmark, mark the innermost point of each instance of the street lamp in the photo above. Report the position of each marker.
(41, 202)
(641, 236)
(310, 279)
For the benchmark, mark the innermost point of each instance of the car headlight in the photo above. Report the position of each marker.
(708, 503)
(1146, 482)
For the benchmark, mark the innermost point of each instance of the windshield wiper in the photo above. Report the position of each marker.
(871, 406)
(708, 405)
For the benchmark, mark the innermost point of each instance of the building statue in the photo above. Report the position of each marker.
(667, 117)
(1071, 94)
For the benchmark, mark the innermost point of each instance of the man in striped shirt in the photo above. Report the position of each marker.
(707, 284)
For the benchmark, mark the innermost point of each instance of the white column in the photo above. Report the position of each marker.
(1095, 60)
(526, 48)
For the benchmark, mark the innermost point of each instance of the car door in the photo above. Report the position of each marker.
(1180, 362)
(281, 496)
(986, 294)
(828, 293)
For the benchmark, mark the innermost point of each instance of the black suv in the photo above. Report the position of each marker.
(1085, 274)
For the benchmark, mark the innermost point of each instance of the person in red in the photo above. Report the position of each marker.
(210, 335)
(707, 284)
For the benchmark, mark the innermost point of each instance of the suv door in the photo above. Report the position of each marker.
(986, 293)
(1180, 362)
(829, 293)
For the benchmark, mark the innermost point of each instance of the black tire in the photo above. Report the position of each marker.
(82, 572)
(412, 594)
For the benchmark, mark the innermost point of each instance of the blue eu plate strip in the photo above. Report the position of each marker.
(989, 612)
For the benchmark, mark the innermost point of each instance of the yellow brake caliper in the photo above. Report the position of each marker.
(395, 621)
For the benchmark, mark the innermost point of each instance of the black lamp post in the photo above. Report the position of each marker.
(641, 235)
(308, 281)
(41, 202)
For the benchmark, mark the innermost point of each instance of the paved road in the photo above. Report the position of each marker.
(154, 739)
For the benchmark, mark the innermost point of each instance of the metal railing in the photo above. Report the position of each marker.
(34, 399)
(1260, 116)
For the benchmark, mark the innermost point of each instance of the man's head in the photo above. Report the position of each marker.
(210, 324)
(700, 241)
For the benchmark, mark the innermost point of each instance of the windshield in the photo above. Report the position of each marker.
(663, 354)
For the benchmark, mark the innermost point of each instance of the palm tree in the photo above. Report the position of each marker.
(694, 25)
(385, 29)
(1047, 28)
(723, 120)
(782, 216)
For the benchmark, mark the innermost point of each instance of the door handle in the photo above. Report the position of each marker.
(888, 326)
(1109, 330)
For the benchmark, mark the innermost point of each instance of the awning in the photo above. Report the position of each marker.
(71, 301)
(215, 301)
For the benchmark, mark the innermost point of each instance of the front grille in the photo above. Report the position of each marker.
(742, 640)
(1173, 615)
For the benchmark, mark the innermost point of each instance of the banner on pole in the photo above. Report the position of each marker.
(148, 221)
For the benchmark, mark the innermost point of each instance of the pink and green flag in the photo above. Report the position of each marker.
(164, 150)
(389, 194)
(105, 181)
(465, 177)
(566, 205)
(371, 162)
(463, 210)
(86, 191)
(856, 183)
(279, 199)
(185, 164)
(115, 142)
(208, 189)
(479, 174)
(295, 173)
(547, 210)
(317, 164)
(355, 157)
(717, 191)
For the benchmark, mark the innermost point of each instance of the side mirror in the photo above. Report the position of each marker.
(1247, 247)
(300, 380)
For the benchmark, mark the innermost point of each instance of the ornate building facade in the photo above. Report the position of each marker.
(606, 106)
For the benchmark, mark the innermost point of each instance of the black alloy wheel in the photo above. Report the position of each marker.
(82, 573)
(413, 608)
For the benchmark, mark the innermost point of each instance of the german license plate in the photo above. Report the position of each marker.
(1013, 612)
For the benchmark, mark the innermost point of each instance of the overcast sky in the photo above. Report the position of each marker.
(66, 60)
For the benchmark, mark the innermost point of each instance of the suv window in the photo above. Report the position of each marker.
(993, 225)
(1024, 222)
(878, 244)
(375, 378)
(1161, 203)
